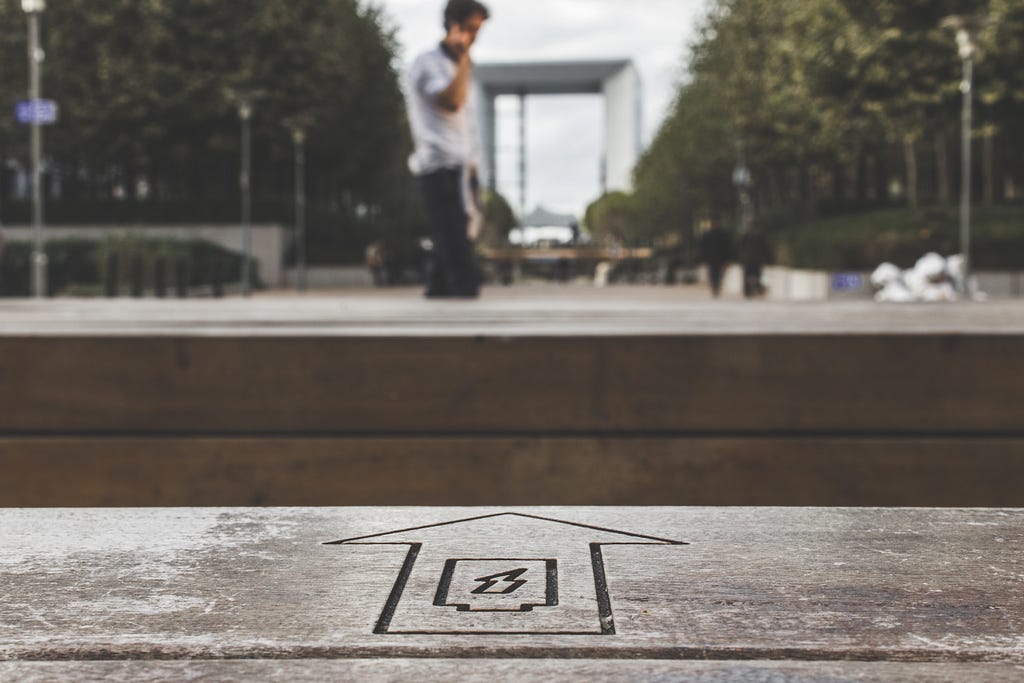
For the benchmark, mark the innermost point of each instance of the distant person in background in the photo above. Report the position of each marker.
(442, 116)
(377, 263)
(754, 252)
(716, 250)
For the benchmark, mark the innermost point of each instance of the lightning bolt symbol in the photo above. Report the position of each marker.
(511, 578)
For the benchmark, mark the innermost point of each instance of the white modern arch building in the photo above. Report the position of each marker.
(618, 81)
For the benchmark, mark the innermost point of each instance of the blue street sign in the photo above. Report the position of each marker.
(43, 112)
(847, 282)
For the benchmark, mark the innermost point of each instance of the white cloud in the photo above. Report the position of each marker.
(564, 136)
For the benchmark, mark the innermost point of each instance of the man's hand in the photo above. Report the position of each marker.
(459, 40)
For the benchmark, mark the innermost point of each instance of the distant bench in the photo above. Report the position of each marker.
(507, 594)
(374, 402)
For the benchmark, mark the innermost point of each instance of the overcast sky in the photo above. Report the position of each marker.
(564, 134)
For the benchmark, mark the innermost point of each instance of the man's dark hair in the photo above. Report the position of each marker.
(459, 11)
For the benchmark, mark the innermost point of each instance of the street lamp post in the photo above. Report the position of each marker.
(299, 138)
(33, 8)
(741, 178)
(245, 182)
(966, 29)
(522, 157)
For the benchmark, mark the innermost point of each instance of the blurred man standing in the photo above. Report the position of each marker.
(754, 252)
(442, 115)
(1, 258)
(716, 250)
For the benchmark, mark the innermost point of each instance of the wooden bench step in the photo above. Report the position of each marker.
(92, 472)
(340, 386)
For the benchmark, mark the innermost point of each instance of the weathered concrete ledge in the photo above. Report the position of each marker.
(812, 590)
(525, 397)
(487, 671)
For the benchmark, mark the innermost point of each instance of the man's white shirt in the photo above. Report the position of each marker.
(443, 138)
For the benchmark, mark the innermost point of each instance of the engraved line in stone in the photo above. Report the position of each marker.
(396, 593)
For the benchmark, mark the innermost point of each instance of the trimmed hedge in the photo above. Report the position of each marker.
(82, 267)
(333, 236)
(862, 241)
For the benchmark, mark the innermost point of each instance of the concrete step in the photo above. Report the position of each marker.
(552, 398)
(94, 472)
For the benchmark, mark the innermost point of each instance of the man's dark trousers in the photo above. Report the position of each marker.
(716, 273)
(455, 273)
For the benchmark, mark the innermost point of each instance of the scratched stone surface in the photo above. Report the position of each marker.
(488, 671)
(814, 585)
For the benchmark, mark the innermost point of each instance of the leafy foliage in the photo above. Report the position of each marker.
(84, 266)
(612, 218)
(143, 88)
(499, 220)
(834, 106)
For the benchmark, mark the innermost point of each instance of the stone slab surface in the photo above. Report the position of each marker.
(916, 586)
(487, 671)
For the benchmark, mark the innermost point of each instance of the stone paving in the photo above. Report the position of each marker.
(541, 310)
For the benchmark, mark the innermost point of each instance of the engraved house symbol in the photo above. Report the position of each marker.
(504, 573)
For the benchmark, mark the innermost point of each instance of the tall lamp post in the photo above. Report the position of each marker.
(245, 181)
(33, 8)
(243, 101)
(966, 29)
(299, 138)
(522, 159)
(743, 181)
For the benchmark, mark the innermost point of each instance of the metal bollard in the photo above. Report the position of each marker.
(217, 279)
(160, 277)
(181, 279)
(110, 282)
(135, 274)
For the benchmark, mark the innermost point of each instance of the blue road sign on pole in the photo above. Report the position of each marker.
(42, 112)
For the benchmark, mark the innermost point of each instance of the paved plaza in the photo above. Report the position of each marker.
(526, 311)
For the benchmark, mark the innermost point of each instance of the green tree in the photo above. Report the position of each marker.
(613, 219)
(827, 102)
(680, 175)
(142, 89)
(499, 219)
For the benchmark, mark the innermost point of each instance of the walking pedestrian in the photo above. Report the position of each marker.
(1, 259)
(446, 158)
(754, 252)
(716, 250)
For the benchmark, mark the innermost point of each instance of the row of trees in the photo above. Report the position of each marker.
(142, 87)
(832, 105)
